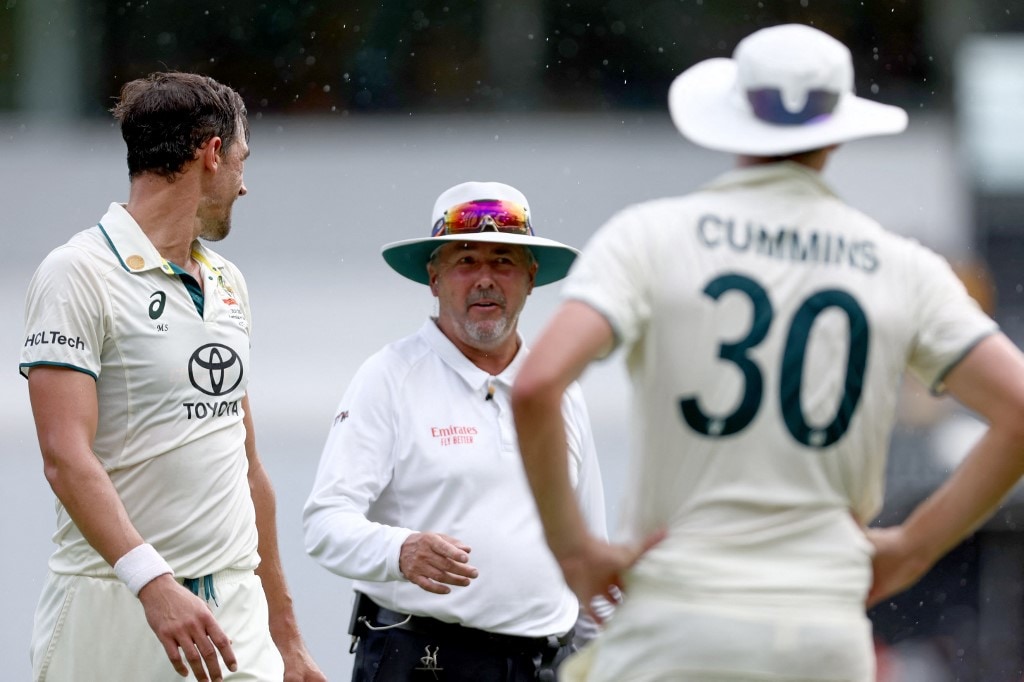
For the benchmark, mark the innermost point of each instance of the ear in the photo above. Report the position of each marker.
(533, 277)
(209, 153)
(432, 275)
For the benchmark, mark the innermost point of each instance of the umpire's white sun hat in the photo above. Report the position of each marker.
(787, 89)
(489, 212)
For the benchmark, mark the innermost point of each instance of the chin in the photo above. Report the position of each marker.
(214, 232)
(489, 333)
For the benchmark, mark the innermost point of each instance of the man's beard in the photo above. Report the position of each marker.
(489, 331)
(215, 229)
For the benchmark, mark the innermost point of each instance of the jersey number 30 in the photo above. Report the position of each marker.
(792, 369)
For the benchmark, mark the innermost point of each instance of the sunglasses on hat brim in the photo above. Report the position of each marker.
(484, 215)
(768, 106)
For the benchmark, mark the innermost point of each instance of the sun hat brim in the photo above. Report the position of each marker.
(409, 257)
(707, 108)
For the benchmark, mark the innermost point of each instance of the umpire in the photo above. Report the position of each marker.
(420, 496)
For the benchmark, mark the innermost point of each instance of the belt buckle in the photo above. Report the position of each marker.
(429, 662)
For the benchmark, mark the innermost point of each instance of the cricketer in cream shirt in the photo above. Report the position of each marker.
(169, 383)
(742, 302)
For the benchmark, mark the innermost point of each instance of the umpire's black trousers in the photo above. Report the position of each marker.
(394, 648)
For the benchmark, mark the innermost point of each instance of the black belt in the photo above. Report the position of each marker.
(368, 615)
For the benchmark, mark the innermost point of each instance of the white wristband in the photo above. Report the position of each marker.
(139, 566)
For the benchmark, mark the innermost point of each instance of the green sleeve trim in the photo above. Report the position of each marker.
(24, 367)
(938, 387)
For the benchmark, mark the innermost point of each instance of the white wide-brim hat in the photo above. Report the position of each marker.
(787, 89)
(409, 257)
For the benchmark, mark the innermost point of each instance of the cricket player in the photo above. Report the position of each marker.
(766, 326)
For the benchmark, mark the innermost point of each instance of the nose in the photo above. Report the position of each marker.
(485, 280)
(242, 191)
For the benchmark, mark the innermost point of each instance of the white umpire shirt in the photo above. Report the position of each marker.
(767, 327)
(169, 384)
(418, 445)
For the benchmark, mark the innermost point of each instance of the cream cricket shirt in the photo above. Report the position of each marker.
(170, 386)
(417, 446)
(767, 326)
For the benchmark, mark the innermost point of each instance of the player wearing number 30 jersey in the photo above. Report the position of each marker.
(766, 326)
(766, 352)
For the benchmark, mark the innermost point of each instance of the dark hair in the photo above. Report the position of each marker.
(165, 117)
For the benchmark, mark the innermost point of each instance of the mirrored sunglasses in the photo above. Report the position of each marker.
(480, 216)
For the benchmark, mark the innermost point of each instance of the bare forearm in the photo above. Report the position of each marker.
(65, 409)
(970, 495)
(283, 626)
(904, 553)
(990, 381)
(298, 664)
(541, 430)
(87, 493)
(575, 336)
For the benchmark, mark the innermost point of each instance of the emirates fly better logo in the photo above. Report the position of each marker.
(215, 369)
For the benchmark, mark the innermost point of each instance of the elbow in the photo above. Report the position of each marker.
(524, 392)
(320, 546)
(63, 473)
(53, 473)
(532, 393)
(320, 536)
(312, 543)
(1012, 430)
(312, 537)
(1008, 421)
(55, 465)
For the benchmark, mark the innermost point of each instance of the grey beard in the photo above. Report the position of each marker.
(488, 332)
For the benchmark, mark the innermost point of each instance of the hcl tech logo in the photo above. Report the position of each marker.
(215, 369)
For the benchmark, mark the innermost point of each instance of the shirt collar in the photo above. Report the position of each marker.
(132, 247)
(476, 378)
(798, 176)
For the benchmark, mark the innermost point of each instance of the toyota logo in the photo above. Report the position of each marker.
(215, 369)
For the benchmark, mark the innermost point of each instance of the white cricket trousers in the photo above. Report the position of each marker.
(653, 637)
(95, 630)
